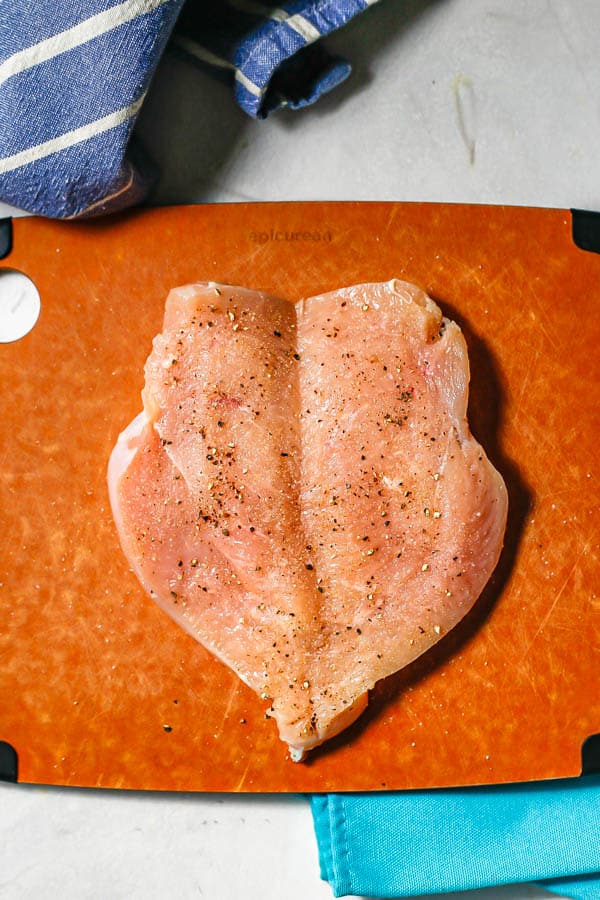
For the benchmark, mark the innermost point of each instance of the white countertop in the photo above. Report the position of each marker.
(453, 100)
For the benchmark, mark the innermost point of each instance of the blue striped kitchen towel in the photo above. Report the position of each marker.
(74, 74)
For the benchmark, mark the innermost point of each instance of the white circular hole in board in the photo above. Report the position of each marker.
(19, 305)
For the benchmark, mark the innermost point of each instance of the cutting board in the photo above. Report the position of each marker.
(99, 688)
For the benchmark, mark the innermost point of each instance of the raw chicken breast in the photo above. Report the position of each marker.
(302, 493)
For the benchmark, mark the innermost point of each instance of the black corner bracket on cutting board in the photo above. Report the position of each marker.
(6, 233)
(586, 229)
(9, 762)
(590, 755)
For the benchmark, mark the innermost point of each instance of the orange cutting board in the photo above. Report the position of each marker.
(98, 687)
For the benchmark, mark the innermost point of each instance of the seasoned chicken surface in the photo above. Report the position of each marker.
(302, 492)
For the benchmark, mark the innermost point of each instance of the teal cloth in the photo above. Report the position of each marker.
(424, 842)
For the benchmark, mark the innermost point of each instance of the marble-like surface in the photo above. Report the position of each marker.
(453, 100)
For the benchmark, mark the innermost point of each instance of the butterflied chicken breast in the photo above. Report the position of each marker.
(302, 494)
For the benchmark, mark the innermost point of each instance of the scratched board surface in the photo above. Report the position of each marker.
(91, 671)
